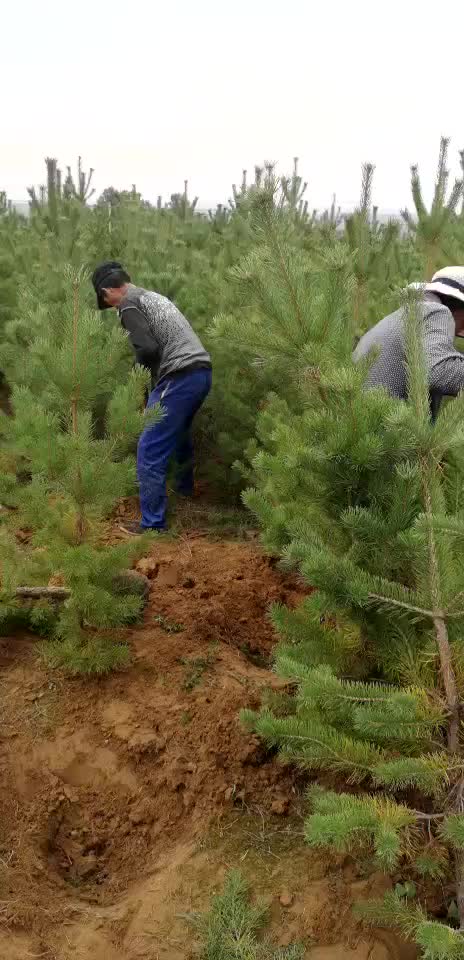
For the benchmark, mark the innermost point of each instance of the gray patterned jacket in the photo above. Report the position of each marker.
(162, 338)
(445, 364)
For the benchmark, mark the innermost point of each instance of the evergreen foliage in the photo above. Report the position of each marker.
(73, 478)
(232, 930)
(188, 256)
(371, 249)
(363, 494)
(355, 489)
(433, 229)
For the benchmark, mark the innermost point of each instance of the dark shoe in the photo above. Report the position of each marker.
(134, 528)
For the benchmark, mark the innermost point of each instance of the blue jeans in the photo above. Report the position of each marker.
(180, 398)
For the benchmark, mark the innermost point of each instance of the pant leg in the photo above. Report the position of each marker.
(184, 461)
(184, 449)
(179, 399)
(153, 452)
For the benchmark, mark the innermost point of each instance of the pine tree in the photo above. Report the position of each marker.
(71, 480)
(270, 356)
(330, 220)
(81, 189)
(6, 205)
(293, 191)
(239, 193)
(275, 273)
(377, 651)
(188, 259)
(242, 196)
(56, 233)
(433, 229)
(363, 494)
(52, 201)
(10, 228)
(371, 248)
(181, 205)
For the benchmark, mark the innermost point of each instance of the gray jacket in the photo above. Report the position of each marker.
(162, 338)
(445, 365)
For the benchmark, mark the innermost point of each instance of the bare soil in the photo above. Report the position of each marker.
(124, 801)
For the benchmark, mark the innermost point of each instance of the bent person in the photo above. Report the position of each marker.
(442, 315)
(180, 368)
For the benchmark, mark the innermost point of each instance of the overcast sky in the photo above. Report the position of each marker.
(155, 92)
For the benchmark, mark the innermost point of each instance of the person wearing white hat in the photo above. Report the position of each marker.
(442, 314)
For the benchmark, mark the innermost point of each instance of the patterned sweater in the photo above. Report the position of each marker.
(445, 365)
(162, 338)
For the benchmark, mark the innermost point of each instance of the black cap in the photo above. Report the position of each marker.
(102, 277)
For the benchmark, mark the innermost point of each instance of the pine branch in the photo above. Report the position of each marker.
(416, 189)
(266, 208)
(388, 601)
(37, 593)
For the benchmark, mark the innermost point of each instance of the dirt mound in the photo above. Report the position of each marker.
(99, 779)
(124, 801)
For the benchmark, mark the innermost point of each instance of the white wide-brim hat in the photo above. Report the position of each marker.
(449, 281)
